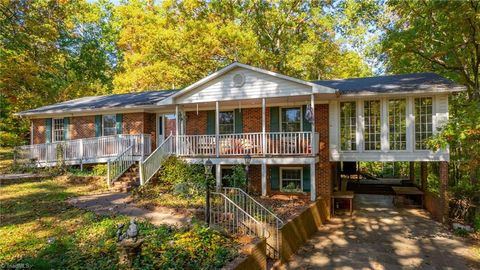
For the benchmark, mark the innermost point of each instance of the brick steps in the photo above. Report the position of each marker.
(128, 181)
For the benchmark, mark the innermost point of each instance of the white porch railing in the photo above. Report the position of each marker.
(152, 164)
(86, 150)
(117, 166)
(276, 143)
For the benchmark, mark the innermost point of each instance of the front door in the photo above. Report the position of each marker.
(166, 126)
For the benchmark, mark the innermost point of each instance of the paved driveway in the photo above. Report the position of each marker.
(382, 237)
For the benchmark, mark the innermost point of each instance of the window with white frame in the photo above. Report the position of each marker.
(291, 179)
(423, 122)
(58, 130)
(291, 119)
(348, 126)
(397, 124)
(227, 122)
(109, 123)
(372, 125)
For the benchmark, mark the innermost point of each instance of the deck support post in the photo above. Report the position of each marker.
(264, 178)
(412, 171)
(444, 200)
(217, 128)
(264, 130)
(423, 175)
(313, 142)
(313, 190)
(218, 177)
(177, 139)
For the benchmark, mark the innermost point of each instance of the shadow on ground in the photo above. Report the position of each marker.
(379, 236)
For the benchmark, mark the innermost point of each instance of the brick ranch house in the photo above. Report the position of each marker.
(297, 132)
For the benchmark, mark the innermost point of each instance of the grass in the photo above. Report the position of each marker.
(158, 195)
(40, 229)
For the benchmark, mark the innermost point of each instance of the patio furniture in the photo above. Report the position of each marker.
(343, 195)
(402, 193)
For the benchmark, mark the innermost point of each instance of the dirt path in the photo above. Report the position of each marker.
(379, 236)
(120, 204)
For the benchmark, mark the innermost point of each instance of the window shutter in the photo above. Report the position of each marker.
(211, 122)
(118, 124)
(238, 121)
(48, 131)
(274, 178)
(66, 124)
(307, 126)
(306, 179)
(274, 119)
(98, 125)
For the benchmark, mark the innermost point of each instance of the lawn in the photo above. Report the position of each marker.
(39, 228)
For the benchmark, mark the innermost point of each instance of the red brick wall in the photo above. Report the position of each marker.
(150, 128)
(252, 120)
(133, 123)
(39, 131)
(323, 167)
(82, 127)
(255, 179)
(196, 124)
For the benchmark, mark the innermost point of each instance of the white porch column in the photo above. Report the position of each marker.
(217, 128)
(177, 130)
(384, 125)
(264, 136)
(314, 141)
(218, 176)
(264, 178)
(313, 190)
(410, 124)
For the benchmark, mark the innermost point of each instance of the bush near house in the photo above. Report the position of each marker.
(178, 184)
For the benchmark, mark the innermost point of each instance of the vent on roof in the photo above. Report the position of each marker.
(238, 80)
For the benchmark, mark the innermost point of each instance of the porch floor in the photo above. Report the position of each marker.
(379, 236)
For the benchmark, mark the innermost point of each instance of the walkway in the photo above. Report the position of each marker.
(119, 204)
(382, 237)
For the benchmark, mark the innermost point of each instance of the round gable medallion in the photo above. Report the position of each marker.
(238, 80)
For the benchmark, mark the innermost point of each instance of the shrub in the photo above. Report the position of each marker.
(173, 171)
(100, 170)
(237, 178)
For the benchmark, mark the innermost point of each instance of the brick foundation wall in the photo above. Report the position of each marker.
(196, 124)
(255, 179)
(39, 131)
(82, 127)
(254, 257)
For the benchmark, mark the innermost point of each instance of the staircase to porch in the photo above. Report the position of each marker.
(128, 181)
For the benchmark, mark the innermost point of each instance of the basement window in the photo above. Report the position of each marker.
(109, 123)
(291, 179)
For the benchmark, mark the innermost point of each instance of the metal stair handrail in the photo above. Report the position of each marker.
(227, 214)
(272, 222)
(119, 165)
(150, 166)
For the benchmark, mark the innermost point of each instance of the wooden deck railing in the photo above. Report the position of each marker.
(88, 150)
(276, 143)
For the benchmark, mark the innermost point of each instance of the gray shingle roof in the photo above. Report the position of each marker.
(393, 83)
(104, 102)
